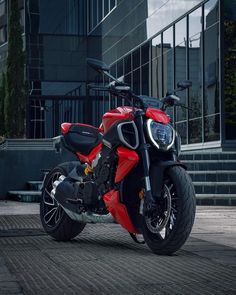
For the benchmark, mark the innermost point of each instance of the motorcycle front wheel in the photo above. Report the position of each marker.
(167, 227)
(55, 221)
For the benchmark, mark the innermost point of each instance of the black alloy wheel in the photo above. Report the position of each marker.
(168, 227)
(54, 219)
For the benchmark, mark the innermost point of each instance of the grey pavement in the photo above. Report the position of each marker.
(104, 259)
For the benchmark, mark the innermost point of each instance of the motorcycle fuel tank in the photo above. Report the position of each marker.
(115, 115)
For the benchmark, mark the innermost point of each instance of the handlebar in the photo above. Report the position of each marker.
(118, 88)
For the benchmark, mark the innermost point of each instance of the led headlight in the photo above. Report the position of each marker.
(161, 135)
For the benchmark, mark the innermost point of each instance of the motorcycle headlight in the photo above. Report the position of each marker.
(161, 135)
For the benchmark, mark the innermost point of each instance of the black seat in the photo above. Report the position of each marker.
(82, 138)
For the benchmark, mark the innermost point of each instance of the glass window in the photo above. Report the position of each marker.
(95, 13)
(136, 58)
(136, 81)
(112, 4)
(3, 35)
(212, 128)
(168, 67)
(145, 53)
(195, 63)
(182, 130)
(2, 8)
(90, 14)
(211, 13)
(180, 63)
(106, 7)
(120, 71)
(33, 6)
(145, 79)
(195, 131)
(34, 23)
(127, 63)
(113, 70)
(127, 79)
(230, 69)
(156, 52)
(211, 56)
(99, 10)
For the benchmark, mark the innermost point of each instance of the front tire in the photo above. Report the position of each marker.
(55, 221)
(169, 226)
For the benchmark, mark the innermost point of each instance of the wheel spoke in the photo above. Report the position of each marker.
(49, 215)
(58, 214)
(52, 210)
(47, 202)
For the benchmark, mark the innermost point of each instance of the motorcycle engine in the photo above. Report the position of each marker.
(104, 166)
(79, 192)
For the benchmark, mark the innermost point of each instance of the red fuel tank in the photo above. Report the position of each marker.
(115, 115)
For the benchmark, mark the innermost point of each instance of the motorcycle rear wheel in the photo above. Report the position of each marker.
(169, 226)
(55, 221)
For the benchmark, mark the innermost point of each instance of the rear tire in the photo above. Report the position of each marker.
(55, 221)
(180, 217)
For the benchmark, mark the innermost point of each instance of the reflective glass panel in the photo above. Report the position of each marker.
(113, 70)
(145, 53)
(180, 63)
(211, 56)
(127, 63)
(168, 66)
(182, 130)
(112, 4)
(212, 128)
(106, 7)
(145, 79)
(95, 13)
(195, 63)
(195, 130)
(136, 58)
(230, 69)
(128, 79)
(120, 68)
(136, 81)
(156, 50)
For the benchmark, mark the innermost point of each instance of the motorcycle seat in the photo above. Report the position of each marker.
(82, 138)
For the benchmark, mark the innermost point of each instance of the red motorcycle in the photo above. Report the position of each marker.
(128, 172)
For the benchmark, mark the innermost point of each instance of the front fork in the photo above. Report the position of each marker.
(147, 203)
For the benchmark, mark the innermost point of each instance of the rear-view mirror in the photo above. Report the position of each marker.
(97, 65)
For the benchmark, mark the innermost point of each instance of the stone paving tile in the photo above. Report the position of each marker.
(104, 260)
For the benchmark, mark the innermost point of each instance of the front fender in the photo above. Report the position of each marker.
(157, 171)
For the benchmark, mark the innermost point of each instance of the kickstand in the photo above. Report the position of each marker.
(134, 237)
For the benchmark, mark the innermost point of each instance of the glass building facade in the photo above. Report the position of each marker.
(153, 44)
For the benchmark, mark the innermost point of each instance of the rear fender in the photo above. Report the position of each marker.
(157, 172)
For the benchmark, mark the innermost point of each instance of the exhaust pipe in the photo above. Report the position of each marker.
(88, 217)
(85, 217)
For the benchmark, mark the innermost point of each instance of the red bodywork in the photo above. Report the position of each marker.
(89, 158)
(157, 115)
(118, 210)
(66, 126)
(127, 158)
(113, 116)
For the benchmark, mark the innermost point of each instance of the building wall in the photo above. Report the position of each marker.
(155, 44)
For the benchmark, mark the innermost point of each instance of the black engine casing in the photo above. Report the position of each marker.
(76, 195)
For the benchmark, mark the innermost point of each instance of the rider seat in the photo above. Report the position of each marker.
(82, 138)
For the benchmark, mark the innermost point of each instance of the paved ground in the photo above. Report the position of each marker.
(104, 259)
